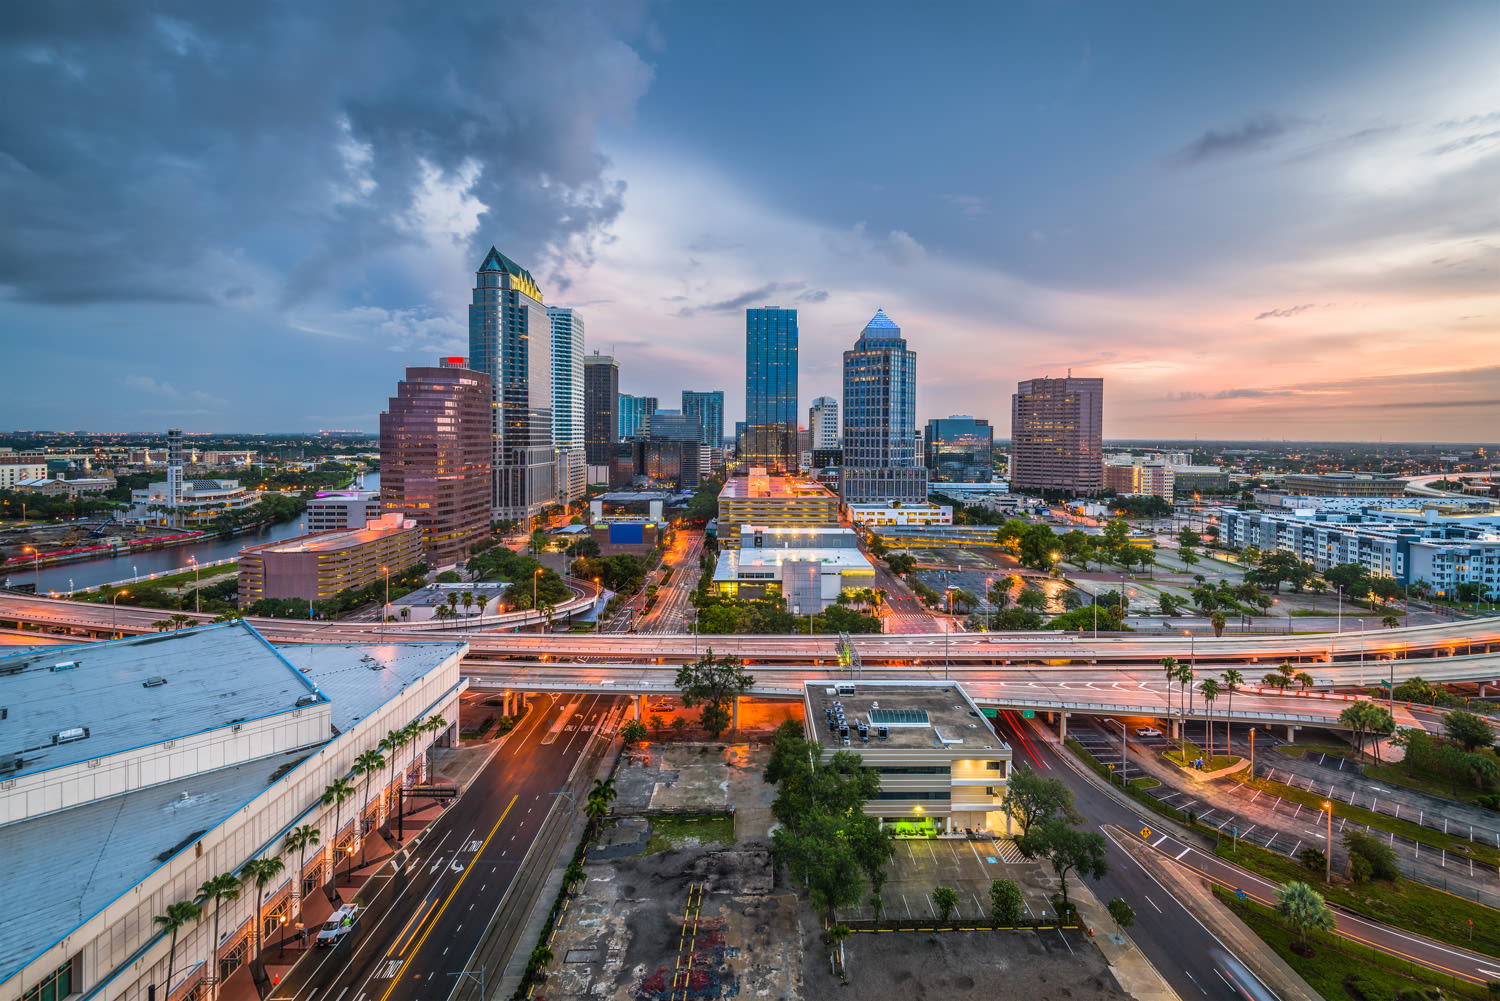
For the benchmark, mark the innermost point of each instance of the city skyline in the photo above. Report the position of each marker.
(1243, 254)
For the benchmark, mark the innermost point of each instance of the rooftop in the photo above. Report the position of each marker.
(934, 715)
(359, 678)
(339, 539)
(786, 487)
(733, 563)
(73, 703)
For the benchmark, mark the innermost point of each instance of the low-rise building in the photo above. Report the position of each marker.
(18, 467)
(1138, 478)
(897, 513)
(332, 510)
(808, 568)
(137, 769)
(773, 501)
(89, 486)
(940, 762)
(318, 566)
(199, 505)
(1343, 484)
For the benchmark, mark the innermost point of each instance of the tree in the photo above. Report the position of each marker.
(601, 795)
(1390, 621)
(1169, 667)
(1122, 912)
(1231, 679)
(337, 791)
(218, 889)
(1314, 859)
(1034, 800)
(1377, 858)
(1351, 578)
(821, 860)
(1218, 620)
(657, 722)
(178, 915)
(1069, 850)
(946, 899)
(713, 683)
(1210, 689)
(1304, 679)
(392, 743)
(299, 840)
(179, 620)
(1005, 902)
(1303, 909)
(1416, 743)
(901, 564)
(261, 871)
(1469, 729)
(1366, 718)
(161, 626)
(1031, 599)
(679, 727)
(367, 764)
(634, 731)
(573, 875)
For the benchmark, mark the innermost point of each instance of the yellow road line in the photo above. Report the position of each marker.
(438, 914)
(395, 949)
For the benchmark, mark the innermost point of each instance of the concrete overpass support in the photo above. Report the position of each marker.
(734, 713)
(1062, 726)
(1291, 734)
(638, 708)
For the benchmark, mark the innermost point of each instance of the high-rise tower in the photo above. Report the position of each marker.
(1057, 435)
(823, 422)
(510, 340)
(771, 389)
(880, 417)
(601, 407)
(567, 401)
(708, 409)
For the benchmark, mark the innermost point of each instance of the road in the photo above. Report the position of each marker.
(424, 921)
(674, 598)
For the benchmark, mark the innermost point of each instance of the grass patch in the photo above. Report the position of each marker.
(1338, 964)
(1300, 750)
(668, 832)
(1415, 907)
(1434, 785)
(1425, 836)
(1190, 753)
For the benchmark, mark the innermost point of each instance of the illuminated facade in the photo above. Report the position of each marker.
(320, 565)
(823, 423)
(957, 449)
(601, 407)
(708, 410)
(635, 415)
(775, 502)
(510, 340)
(567, 401)
(1057, 435)
(771, 412)
(880, 415)
(435, 455)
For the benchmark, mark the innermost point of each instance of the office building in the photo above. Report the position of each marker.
(807, 568)
(567, 402)
(1193, 482)
(138, 769)
(770, 439)
(320, 565)
(941, 766)
(635, 415)
(435, 455)
(18, 468)
(333, 510)
(708, 409)
(880, 414)
(1139, 478)
(957, 449)
(601, 407)
(1347, 484)
(1057, 436)
(920, 513)
(823, 423)
(510, 340)
(773, 501)
(191, 504)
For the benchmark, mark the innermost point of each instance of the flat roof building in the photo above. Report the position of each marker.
(1346, 484)
(921, 513)
(809, 568)
(1057, 435)
(332, 510)
(775, 501)
(940, 763)
(318, 566)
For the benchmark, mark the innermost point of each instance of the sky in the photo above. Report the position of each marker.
(1255, 221)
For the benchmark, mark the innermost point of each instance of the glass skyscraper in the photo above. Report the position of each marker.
(601, 407)
(510, 340)
(771, 412)
(567, 401)
(957, 449)
(880, 418)
(635, 414)
(708, 409)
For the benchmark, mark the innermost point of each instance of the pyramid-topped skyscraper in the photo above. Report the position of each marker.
(880, 418)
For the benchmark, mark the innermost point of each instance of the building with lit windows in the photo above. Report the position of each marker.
(635, 415)
(922, 513)
(320, 565)
(880, 413)
(332, 510)
(958, 449)
(601, 407)
(775, 502)
(771, 414)
(510, 340)
(194, 504)
(807, 568)
(568, 434)
(1057, 436)
(823, 424)
(435, 454)
(1140, 479)
(707, 408)
(137, 769)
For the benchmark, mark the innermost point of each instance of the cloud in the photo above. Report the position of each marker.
(1274, 314)
(164, 392)
(1254, 134)
(898, 246)
(735, 303)
(813, 296)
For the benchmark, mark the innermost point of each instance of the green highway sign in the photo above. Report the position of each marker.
(991, 713)
(1028, 714)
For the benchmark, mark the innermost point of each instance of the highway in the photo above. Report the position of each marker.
(425, 920)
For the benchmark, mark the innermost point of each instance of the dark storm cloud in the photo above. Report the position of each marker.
(738, 302)
(1252, 135)
(193, 152)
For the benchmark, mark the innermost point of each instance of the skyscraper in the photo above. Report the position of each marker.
(823, 422)
(510, 341)
(708, 409)
(771, 389)
(435, 456)
(957, 449)
(601, 407)
(880, 416)
(1057, 435)
(567, 401)
(635, 414)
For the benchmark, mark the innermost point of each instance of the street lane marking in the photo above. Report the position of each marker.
(438, 914)
(1153, 904)
(395, 949)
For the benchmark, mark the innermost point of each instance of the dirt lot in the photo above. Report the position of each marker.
(705, 921)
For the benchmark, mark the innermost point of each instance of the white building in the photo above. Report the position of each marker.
(137, 769)
(567, 402)
(807, 567)
(823, 422)
(340, 509)
(198, 503)
(16, 468)
(901, 514)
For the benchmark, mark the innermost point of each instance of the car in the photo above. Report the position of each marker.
(339, 923)
(1147, 731)
(660, 707)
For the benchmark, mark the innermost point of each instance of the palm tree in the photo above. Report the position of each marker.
(1169, 666)
(1218, 620)
(1390, 622)
(218, 889)
(299, 840)
(262, 871)
(1304, 679)
(1185, 676)
(600, 797)
(366, 764)
(338, 790)
(405, 612)
(453, 603)
(179, 620)
(1273, 680)
(393, 742)
(162, 625)
(481, 600)
(1287, 671)
(177, 915)
(468, 600)
(1232, 680)
(1210, 690)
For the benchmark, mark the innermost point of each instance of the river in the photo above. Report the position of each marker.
(92, 573)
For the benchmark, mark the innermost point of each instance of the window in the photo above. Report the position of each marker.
(54, 987)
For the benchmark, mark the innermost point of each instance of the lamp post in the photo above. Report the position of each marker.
(534, 575)
(1252, 752)
(112, 610)
(1328, 858)
(35, 563)
(385, 609)
(197, 603)
(281, 947)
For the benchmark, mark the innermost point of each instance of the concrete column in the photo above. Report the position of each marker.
(1291, 733)
(1177, 729)
(734, 713)
(1062, 726)
(1482, 689)
(1051, 716)
(638, 707)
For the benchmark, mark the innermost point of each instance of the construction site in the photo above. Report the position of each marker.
(682, 902)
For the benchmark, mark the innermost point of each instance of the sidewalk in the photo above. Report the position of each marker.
(1133, 971)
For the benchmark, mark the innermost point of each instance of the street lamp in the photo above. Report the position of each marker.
(1252, 752)
(197, 603)
(534, 575)
(35, 563)
(112, 610)
(1328, 858)
(385, 609)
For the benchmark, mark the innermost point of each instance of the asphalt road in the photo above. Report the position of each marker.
(1180, 948)
(423, 922)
